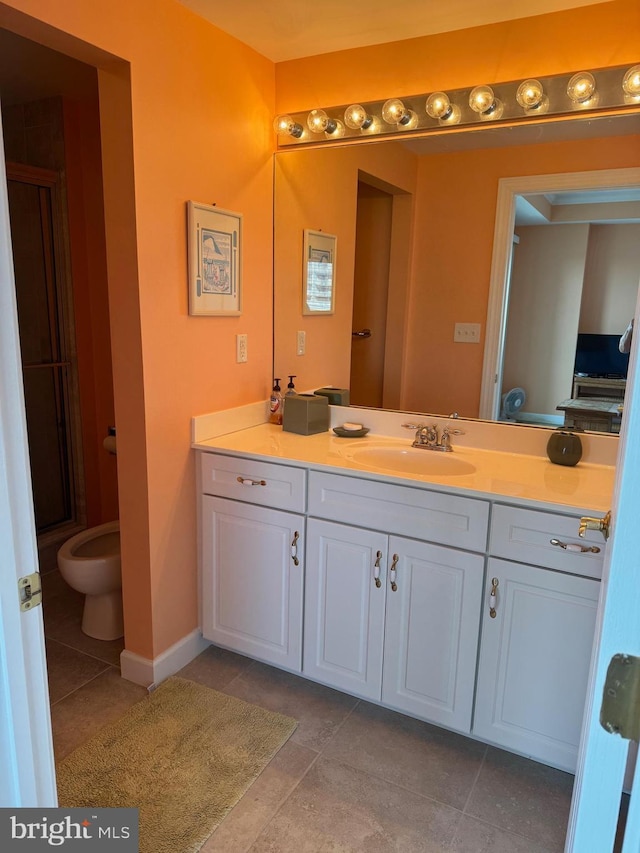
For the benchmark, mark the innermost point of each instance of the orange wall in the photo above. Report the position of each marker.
(200, 113)
(587, 37)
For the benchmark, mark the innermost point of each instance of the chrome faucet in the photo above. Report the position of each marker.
(426, 437)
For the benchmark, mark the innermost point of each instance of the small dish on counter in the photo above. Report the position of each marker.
(351, 433)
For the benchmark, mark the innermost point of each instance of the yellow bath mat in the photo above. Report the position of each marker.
(184, 756)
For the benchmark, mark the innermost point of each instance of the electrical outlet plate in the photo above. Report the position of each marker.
(241, 348)
(301, 343)
(467, 333)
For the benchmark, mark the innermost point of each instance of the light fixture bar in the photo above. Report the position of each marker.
(509, 96)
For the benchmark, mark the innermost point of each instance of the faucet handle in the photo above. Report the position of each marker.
(412, 426)
(447, 432)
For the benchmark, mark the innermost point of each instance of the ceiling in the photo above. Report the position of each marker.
(290, 29)
(278, 29)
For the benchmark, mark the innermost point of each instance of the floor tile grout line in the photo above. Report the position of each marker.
(84, 684)
(283, 802)
(236, 676)
(530, 838)
(80, 651)
(475, 781)
(340, 726)
(393, 782)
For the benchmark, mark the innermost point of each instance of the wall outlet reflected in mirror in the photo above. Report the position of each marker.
(301, 343)
(467, 333)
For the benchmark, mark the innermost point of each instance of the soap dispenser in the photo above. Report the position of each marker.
(291, 388)
(275, 404)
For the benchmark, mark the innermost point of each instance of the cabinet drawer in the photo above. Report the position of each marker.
(418, 513)
(525, 535)
(278, 486)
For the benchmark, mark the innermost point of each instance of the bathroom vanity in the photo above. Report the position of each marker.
(463, 598)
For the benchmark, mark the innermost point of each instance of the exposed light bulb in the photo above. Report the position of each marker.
(338, 130)
(483, 101)
(439, 106)
(395, 112)
(357, 118)
(531, 97)
(581, 87)
(319, 122)
(286, 126)
(631, 83)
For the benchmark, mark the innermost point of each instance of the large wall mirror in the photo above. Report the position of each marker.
(418, 296)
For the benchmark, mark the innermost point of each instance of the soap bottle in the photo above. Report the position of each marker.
(275, 404)
(291, 388)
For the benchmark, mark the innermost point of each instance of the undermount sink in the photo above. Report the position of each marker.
(410, 460)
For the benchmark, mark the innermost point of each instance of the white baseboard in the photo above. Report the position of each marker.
(149, 673)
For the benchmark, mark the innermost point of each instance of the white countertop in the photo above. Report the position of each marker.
(516, 477)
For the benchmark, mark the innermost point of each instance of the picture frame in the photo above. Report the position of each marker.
(214, 249)
(318, 272)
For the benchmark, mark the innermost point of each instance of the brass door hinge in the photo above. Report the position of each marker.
(30, 591)
(620, 711)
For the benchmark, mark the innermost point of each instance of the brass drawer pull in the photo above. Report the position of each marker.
(574, 546)
(245, 481)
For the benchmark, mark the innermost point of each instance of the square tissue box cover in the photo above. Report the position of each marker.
(335, 396)
(305, 414)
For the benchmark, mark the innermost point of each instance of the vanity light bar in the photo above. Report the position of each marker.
(607, 89)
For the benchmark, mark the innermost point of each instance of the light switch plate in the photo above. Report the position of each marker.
(467, 333)
(301, 343)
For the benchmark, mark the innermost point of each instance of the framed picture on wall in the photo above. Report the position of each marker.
(214, 243)
(318, 273)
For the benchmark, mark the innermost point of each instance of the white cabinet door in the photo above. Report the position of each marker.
(344, 607)
(431, 637)
(534, 661)
(251, 586)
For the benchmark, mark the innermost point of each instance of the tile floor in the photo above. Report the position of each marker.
(353, 776)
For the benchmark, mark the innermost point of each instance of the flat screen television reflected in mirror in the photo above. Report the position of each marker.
(599, 356)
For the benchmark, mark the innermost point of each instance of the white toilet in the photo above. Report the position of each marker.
(90, 563)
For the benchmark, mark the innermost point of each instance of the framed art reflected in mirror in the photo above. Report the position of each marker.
(318, 272)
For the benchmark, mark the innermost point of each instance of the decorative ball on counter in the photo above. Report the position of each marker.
(564, 448)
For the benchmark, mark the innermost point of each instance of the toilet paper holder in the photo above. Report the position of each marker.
(109, 442)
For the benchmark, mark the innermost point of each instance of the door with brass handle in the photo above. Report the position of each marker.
(393, 572)
(376, 570)
(601, 524)
(294, 548)
(493, 597)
